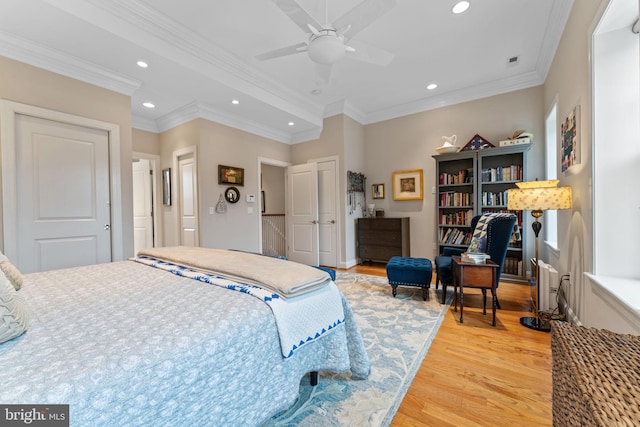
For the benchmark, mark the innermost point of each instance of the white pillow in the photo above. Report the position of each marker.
(12, 273)
(14, 316)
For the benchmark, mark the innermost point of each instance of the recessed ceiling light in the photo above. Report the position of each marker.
(291, 123)
(142, 64)
(149, 105)
(460, 7)
(235, 102)
(432, 86)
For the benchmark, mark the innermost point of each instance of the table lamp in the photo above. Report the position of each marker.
(538, 196)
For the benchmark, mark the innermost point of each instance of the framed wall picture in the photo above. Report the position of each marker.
(407, 185)
(377, 191)
(570, 139)
(230, 175)
(166, 187)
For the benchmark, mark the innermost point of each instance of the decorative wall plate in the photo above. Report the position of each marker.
(232, 195)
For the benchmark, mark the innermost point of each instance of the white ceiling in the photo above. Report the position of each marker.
(201, 55)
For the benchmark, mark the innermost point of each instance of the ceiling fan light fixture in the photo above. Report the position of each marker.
(326, 49)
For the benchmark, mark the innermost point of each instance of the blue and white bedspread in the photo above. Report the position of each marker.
(125, 344)
(300, 320)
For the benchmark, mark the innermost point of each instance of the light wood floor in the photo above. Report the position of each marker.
(478, 375)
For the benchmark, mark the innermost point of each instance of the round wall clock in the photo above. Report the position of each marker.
(232, 195)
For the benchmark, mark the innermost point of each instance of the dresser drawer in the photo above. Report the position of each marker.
(378, 253)
(379, 239)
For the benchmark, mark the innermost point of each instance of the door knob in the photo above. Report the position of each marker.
(107, 227)
(314, 222)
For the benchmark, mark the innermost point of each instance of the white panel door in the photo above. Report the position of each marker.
(327, 214)
(142, 205)
(188, 202)
(302, 214)
(63, 195)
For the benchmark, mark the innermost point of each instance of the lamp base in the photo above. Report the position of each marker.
(535, 323)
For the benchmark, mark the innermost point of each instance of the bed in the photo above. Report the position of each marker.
(128, 343)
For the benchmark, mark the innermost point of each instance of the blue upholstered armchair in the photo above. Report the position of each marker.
(498, 234)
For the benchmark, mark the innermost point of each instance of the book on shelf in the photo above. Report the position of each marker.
(502, 173)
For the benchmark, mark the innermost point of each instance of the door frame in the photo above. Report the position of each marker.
(8, 112)
(339, 210)
(154, 161)
(175, 191)
(271, 162)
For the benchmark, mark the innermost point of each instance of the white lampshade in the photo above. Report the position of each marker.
(326, 49)
(539, 196)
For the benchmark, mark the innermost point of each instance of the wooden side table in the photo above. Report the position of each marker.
(479, 276)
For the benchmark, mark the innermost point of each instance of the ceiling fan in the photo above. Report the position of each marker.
(330, 42)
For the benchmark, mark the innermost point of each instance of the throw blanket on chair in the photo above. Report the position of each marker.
(314, 309)
(482, 226)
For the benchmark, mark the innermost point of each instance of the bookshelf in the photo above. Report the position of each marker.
(473, 182)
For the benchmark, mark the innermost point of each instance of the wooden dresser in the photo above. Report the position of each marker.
(381, 238)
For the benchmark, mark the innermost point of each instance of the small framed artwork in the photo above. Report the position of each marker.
(407, 185)
(570, 138)
(166, 187)
(232, 195)
(377, 191)
(230, 175)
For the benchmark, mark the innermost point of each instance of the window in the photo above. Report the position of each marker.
(616, 151)
(551, 172)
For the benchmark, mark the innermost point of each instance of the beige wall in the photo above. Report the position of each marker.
(354, 160)
(145, 142)
(408, 143)
(273, 187)
(218, 144)
(179, 138)
(25, 84)
(569, 81)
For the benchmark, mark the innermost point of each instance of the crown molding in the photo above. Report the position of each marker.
(142, 123)
(558, 17)
(345, 107)
(309, 135)
(34, 54)
(496, 87)
(152, 30)
(196, 110)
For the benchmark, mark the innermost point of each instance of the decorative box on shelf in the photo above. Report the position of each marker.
(515, 141)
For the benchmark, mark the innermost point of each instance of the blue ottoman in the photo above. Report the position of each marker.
(407, 271)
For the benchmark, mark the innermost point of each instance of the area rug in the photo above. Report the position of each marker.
(397, 333)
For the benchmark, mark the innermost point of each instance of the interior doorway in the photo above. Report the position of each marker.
(60, 147)
(146, 229)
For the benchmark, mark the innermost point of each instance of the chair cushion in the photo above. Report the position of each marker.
(409, 271)
(444, 269)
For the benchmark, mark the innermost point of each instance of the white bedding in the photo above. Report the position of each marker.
(125, 344)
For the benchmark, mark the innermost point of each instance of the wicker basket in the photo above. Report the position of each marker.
(596, 377)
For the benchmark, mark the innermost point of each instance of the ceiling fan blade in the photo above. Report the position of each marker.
(313, 30)
(297, 14)
(367, 53)
(362, 15)
(284, 51)
(323, 73)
